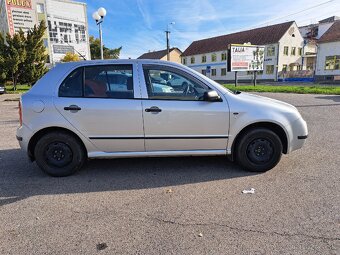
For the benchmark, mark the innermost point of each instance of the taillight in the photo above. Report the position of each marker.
(20, 114)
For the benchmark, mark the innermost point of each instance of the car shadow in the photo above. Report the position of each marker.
(20, 179)
(333, 98)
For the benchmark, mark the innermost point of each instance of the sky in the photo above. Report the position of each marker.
(138, 25)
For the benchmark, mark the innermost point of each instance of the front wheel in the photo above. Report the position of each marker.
(59, 154)
(259, 150)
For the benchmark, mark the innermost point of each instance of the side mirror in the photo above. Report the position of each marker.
(211, 96)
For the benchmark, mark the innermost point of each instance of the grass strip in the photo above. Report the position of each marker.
(327, 90)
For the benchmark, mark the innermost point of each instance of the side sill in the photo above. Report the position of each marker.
(100, 154)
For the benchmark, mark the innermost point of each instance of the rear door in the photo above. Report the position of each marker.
(103, 103)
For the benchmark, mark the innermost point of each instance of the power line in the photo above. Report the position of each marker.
(312, 7)
(318, 17)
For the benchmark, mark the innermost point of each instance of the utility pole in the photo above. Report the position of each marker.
(167, 32)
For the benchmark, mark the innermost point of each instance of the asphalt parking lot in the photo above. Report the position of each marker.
(177, 205)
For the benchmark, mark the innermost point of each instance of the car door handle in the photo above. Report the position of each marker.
(72, 108)
(153, 109)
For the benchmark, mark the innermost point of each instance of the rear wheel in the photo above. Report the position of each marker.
(259, 150)
(59, 154)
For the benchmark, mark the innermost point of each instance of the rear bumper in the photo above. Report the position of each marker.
(23, 136)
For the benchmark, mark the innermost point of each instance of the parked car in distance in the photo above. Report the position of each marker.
(2, 89)
(122, 108)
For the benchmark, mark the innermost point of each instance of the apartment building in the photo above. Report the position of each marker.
(328, 56)
(66, 21)
(311, 34)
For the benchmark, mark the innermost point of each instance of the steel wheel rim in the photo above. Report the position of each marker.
(58, 154)
(260, 151)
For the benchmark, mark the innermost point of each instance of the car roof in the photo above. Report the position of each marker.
(118, 61)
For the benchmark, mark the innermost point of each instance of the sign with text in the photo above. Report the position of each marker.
(20, 14)
(245, 57)
(62, 49)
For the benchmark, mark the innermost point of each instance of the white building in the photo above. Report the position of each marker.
(66, 22)
(311, 34)
(328, 58)
(283, 49)
(68, 30)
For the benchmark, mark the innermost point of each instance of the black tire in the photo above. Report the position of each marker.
(59, 154)
(259, 150)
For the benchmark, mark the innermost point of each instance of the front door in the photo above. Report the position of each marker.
(99, 101)
(176, 118)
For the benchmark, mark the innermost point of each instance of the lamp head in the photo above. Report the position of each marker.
(96, 16)
(102, 12)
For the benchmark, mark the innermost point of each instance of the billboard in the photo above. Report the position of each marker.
(245, 57)
(20, 14)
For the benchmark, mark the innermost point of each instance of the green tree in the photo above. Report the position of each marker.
(3, 69)
(3, 75)
(14, 55)
(23, 58)
(108, 53)
(35, 61)
(70, 57)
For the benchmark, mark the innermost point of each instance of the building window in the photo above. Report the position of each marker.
(204, 59)
(300, 51)
(284, 68)
(204, 71)
(270, 69)
(213, 57)
(223, 71)
(270, 51)
(184, 61)
(192, 60)
(40, 8)
(65, 31)
(53, 31)
(293, 51)
(285, 50)
(332, 63)
(80, 33)
(213, 72)
(224, 56)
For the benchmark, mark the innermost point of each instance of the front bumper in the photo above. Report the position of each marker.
(299, 134)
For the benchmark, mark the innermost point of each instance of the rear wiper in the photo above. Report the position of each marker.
(236, 92)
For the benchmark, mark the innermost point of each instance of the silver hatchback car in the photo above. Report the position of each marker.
(128, 108)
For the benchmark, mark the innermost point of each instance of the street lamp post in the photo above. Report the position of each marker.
(167, 33)
(98, 16)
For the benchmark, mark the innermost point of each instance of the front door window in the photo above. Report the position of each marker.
(170, 85)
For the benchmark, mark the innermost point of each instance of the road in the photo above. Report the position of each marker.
(177, 205)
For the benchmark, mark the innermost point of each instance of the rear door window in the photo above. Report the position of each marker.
(102, 81)
(72, 86)
(113, 81)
